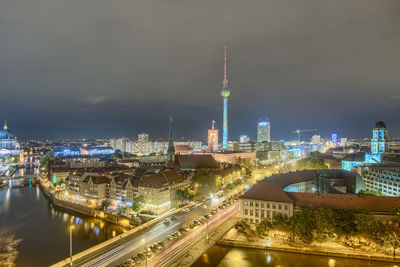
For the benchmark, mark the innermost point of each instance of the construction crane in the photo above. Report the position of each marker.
(298, 131)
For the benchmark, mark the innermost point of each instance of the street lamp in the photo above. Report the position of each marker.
(205, 206)
(145, 248)
(70, 244)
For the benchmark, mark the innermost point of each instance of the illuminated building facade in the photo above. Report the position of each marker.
(379, 146)
(97, 151)
(143, 137)
(264, 131)
(225, 94)
(66, 151)
(334, 138)
(244, 139)
(9, 145)
(212, 138)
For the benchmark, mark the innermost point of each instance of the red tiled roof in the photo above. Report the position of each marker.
(161, 178)
(96, 179)
(265, 190)
(196, 161)
(182, 148)
(342, 201)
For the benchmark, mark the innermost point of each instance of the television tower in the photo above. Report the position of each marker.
(225, 94)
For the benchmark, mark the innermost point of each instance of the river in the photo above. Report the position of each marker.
(28, 215)
(222, 256)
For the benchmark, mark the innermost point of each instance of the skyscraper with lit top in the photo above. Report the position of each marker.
(225, 94)
(264, 131)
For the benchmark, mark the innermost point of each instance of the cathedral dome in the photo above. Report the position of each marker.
(5, 134)
(380, 125)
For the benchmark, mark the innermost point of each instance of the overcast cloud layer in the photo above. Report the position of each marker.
(101, 68)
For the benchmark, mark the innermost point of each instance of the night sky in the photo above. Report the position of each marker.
(101, 68)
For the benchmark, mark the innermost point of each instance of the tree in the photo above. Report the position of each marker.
(183, 194)
(206, 182)
(137, 203)
(302, 224)
(45, 159)
(247, 166)
(263, 228)
(105, 204)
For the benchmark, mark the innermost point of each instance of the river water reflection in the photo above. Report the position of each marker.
(27, 214)
(222, 256)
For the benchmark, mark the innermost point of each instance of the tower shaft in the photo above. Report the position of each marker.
(225, 125)
(225, 94)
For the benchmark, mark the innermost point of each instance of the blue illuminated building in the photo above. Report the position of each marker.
(98, 151)
(334, 139)
(379, 146)
(66, 151)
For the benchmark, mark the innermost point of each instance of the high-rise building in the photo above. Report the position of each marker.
(212, 138)
(343, 141)
(225, 94)
(334, 138)
(316, 140)
(244, 139)
(143, 137)
(263, 131)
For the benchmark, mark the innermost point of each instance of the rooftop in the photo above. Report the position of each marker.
(268, 191)
(343, 201)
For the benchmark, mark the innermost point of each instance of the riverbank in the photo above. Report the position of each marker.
(233, 239)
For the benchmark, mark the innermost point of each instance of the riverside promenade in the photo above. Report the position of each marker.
(232, 240)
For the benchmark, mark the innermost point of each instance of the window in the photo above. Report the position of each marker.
(280, 206)
(262, 214)
(268, 214)
(251, 212)
(251, 220)
(251, 203)
(273, 206)
(256, 203)
(257, 213)
(286, 206)
(246, 211)
(262, 205)
(245, 203)
(268, 206)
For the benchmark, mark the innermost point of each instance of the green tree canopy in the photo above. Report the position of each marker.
(205, 182)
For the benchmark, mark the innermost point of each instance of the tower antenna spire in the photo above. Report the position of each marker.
(225, 81)
(5, 125)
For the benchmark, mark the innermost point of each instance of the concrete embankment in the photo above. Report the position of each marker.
(355, 255)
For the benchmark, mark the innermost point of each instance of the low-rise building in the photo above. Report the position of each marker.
(94, 187)
(264, 201)
(382, 178)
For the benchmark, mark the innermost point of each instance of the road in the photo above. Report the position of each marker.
(185, 243)
(154, 233)
(125, 249)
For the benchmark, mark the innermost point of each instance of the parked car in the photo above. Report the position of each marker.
(166, 221)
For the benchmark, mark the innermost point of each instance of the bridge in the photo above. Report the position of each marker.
(120, 248)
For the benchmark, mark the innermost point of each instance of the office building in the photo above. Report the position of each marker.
(263, 131)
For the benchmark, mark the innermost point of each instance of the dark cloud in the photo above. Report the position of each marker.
(100, 68)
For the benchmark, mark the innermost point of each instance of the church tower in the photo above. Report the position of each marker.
(379, 141)
(171, 148)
